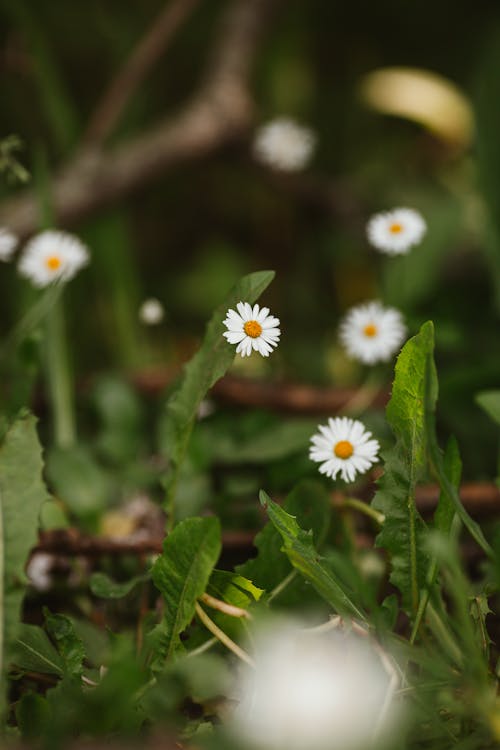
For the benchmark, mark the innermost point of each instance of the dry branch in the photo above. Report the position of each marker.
(219, 111)
(128, 79)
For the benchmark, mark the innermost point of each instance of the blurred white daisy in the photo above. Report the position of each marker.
(343, 446)
(283, 144)
(151, 312)
(8, 244)
(314, 691)
(39, 570)
(52, 256)
(372, 333)
(252, 329)
(396, 232)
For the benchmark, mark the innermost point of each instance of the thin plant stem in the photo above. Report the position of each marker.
(31, 319)
(227, 609)
(59, 378)
(222, 637)
(204, 647)
(362, 507)
(281, 586)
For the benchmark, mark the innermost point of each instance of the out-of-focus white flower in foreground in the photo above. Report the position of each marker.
(52, 256)
(344, 447)
(313, 691)
(8, 244)
(372, 333)
(284, 144)
(396, 232)
(39, 571)
(151, 312)
(253, 329)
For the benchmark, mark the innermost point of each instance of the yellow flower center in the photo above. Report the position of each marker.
(53, 262)
(396, 228)
(343, 449)
(252, 329)
(370, 330)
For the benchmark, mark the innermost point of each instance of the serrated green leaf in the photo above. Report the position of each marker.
(299, 548)
(103, 586)
(69, 644)
(201, 373)
(22, 493)
(309, 502)
(34, 652)
(410, 414)
(489, 401)
(182, 573)
(414, 393)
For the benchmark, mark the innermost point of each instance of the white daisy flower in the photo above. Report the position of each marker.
(52, 256)
(151, 312)
(285, 145)
(396, 232)
(252, 329)
(372, 333)
(8, 244)
(343, 446)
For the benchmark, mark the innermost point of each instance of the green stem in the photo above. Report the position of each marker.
(281, 586)
(59, 378)
(355, 504)
(413, 551)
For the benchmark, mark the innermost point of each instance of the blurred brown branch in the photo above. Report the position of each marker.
(219, 111)
(135, 69)
(481, 499)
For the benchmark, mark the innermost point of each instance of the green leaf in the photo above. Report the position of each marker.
(201, 373)
(278, 441)
(69, 644)
(410, 414)
(182, 573)
(309, 502)
(33, 716)
(22, 493)
(80, 482)
(489, 401)
(34, 652)
(103, 586)
(234, 589)
(414, 393)
(299, 548)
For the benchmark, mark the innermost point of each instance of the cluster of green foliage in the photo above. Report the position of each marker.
(171, 667)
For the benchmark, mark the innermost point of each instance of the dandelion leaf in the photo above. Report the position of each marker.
(299, 548)
(22, 493)
(181, 574)
(208, 365)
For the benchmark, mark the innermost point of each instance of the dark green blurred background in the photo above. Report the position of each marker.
(187, 236)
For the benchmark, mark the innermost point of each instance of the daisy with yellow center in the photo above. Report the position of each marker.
(396, 232)
(344, 447)
(52, 256)
(252, 329)
(372, 333)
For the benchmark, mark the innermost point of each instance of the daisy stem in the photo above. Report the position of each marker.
(59, 379)
(355, 504)
(221, 636)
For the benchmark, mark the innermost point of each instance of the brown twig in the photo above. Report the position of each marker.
(219, 111)
(135, 69)
(294, 398)
(481, 499)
